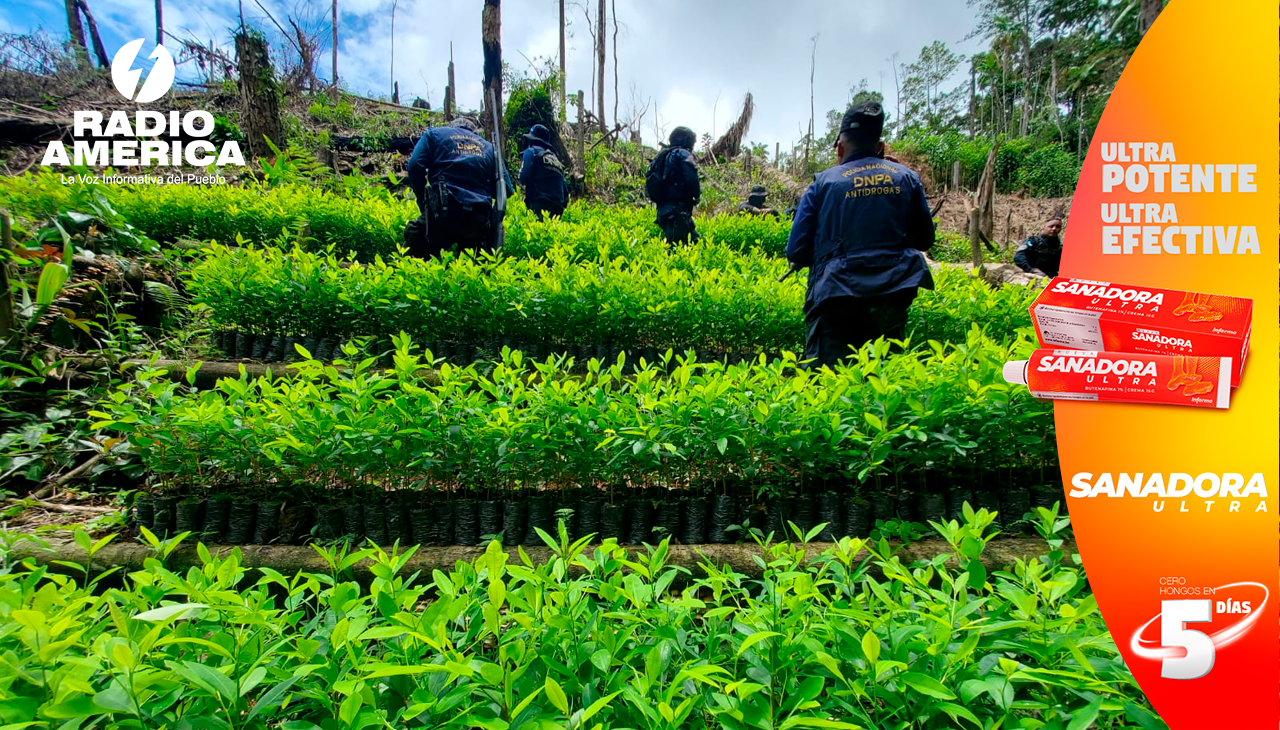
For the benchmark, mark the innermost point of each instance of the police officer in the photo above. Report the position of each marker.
(861, 229)
(542, 175)
(458, 209)
(1042, 253)
(755, 203)
(672, 183)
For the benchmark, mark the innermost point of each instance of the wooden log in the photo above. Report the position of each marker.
(289, 559)
(211, 372)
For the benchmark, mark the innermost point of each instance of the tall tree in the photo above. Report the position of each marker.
(601, 40)
(76, 29)
(334, 22)
(491, 34)
(613, 9)
(563, 78)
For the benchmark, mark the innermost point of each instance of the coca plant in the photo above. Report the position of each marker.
(879, 423)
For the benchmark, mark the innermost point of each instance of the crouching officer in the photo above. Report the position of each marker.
(755, 203)
(1042, 253)
(673, 184)
(458, 211)
(542, 175)
(861, 229)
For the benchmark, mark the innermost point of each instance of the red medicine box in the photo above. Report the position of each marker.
(1108, 317)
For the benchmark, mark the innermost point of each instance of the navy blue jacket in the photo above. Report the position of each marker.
(544, 186)
(682, 188)
(1040, 252)
(861, 228)
(459, 159)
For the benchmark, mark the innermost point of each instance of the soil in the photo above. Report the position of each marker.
(1017, 217)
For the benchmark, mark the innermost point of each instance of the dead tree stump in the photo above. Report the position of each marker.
(259, 95)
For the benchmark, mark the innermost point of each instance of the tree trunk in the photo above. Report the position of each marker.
(450, 91)
(975, 242)
(601, 41)
(491, 34)
(77, 32)
(334, 22)
(564, 79)
(613, 8)
(1147, 15)
(99, 50)
(973, 99)
(808, 140)
(581, 133)
(159, 22)
(260, 102)
(6, 296)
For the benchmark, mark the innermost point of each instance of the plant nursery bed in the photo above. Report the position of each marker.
(63, 555)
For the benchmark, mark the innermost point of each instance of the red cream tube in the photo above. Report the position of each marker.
(1125, 377)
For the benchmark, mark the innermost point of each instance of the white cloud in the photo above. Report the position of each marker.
(682, 54)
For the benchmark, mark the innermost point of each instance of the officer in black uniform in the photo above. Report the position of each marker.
(458, 211)
(673, 184)
(755, 203)
(861, 229)
(1042, 253)
(542, 175)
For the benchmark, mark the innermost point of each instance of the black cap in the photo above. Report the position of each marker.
(864, 120)
(759, 190)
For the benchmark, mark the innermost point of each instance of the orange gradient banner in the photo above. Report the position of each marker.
(1177, 538)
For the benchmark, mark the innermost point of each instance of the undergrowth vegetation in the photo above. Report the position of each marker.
(592, 638)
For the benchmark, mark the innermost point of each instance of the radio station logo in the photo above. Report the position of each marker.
(125, 76)
(144, 138)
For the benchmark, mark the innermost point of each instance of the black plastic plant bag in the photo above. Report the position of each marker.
(329, 523)
(641, 522)
(216, 512)
(163, 518)
(667, 522)
(588, 518)
(513, 522)
(240, 522)
(932, 507)
(829, 513)
(693, 530)
(541, 517)
(353, 521)
(955, 504)
(187, 516)
(423, 520)
(612, 521)
(489, 515)
(723, 516)
(857, 518)
(445, 534)
(267, 529)
(1016, 503)
(144, 511)
(466, 523)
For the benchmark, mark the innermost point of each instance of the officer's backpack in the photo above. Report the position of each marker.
(552, 163)
(655, 179)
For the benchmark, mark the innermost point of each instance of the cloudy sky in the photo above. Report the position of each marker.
(691, 60)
